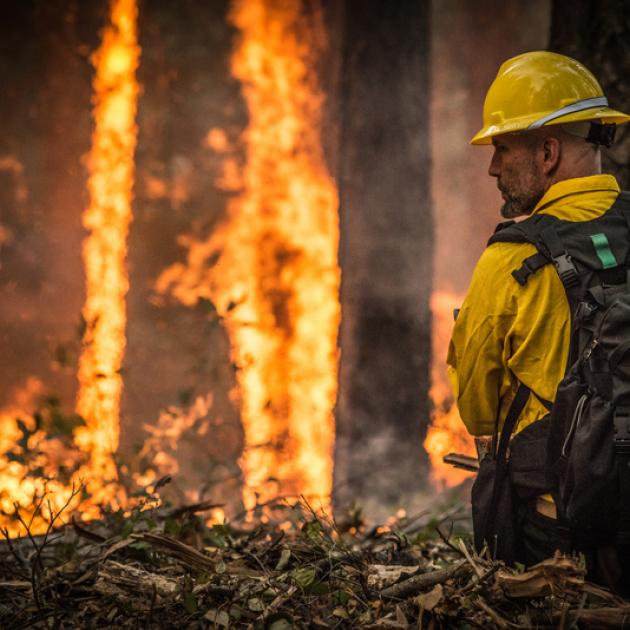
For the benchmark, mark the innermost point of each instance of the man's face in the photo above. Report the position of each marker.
(517, 165)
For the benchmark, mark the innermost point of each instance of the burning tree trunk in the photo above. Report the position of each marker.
(178, 375)
(271, 266)
(597, 32)
(107, 218)
(386, 253)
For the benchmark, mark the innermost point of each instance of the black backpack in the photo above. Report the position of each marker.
(588, 442)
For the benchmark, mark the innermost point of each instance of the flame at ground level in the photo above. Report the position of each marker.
(447, 433)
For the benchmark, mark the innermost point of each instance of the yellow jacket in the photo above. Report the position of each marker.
(506, 333)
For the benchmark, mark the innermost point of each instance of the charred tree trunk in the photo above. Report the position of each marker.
(597, 33)
(386, 253)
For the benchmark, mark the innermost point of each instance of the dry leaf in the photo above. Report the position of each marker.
(218, 618)
(341, 613)
(428, 601)
(552, 575)
(255, 604)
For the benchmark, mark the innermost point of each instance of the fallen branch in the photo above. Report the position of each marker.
(419, 583)
(187, 555)
(133, 581)
(605, 617)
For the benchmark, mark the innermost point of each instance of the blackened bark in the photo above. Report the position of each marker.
(597, 33)
(386, 253)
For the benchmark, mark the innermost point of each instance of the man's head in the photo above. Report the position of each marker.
(526, 164)
(546, 115)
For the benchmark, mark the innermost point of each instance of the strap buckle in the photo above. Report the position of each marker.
(566, 270)
(584, 311)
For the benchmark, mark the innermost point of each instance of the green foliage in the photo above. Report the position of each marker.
(190, 602)
(219, 536)
(303, 576)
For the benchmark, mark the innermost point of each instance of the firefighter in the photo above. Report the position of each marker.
(547, 118)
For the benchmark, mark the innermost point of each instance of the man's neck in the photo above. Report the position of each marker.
(578, 169)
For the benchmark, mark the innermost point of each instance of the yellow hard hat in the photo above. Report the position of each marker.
(542, 88)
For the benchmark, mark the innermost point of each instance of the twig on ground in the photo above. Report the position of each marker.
(419, 583)
(471, 562)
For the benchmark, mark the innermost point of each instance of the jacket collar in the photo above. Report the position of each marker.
(577, 185)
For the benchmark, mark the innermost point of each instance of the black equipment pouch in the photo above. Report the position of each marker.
(499, 532)
(527, 463)
(493, 501)
(589, 446)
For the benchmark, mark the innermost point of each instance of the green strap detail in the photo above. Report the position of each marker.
(603, 251)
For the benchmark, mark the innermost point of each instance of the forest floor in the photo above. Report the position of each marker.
(284, 565)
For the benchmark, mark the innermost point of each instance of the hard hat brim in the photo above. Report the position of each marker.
(602, 114)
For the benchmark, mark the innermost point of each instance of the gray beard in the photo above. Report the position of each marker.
(510, 210)
(521, 207)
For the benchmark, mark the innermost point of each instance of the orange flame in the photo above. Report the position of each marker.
(31, 462)
(277, 278)
(107, 218)
(447, 433)
(17, 487)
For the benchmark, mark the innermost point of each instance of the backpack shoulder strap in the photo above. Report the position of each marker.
(542, 232)
(527, 231)
(530, 265)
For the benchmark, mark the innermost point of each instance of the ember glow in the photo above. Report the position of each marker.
(276, 280)
(107, 220)
(17, 423)
(447, 433)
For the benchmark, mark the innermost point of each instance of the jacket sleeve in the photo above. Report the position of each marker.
(479, 349)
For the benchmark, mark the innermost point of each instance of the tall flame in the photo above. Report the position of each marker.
(107, 219)
(39, 473)
(447, 433)
(277, 278)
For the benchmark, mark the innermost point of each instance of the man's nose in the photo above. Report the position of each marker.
(494, 170)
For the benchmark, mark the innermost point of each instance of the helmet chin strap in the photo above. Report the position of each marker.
(600, 134)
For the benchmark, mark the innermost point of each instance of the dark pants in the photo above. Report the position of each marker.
(540, 535)
(610, 567)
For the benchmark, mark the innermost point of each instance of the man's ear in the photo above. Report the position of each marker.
(551, 149)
